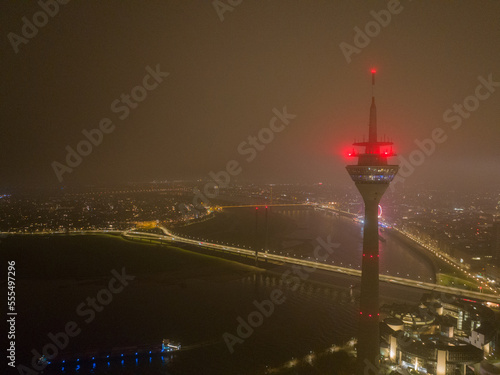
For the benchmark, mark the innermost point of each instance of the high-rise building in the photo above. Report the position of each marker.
(372, 176)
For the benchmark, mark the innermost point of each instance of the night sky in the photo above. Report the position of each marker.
(225, 77)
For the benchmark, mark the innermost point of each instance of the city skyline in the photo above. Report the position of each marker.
(174, 196)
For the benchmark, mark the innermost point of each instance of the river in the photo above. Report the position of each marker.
(197, 299)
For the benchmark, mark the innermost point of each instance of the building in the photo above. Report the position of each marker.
(372, 176)
(443, 336)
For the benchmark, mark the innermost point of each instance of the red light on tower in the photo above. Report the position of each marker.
(351, 153)
(374, 70)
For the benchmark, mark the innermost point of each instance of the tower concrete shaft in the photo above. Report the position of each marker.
(368, 334)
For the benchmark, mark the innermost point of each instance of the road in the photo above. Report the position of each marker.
(314, 264)
(168, 237)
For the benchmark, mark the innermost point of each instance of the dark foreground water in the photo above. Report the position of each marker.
(176, 294)
(187, 297)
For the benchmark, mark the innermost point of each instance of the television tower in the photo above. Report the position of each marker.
(372, 176)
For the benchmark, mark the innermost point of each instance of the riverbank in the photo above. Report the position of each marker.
(417, 249)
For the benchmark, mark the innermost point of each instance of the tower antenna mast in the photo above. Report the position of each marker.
(373, 82)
